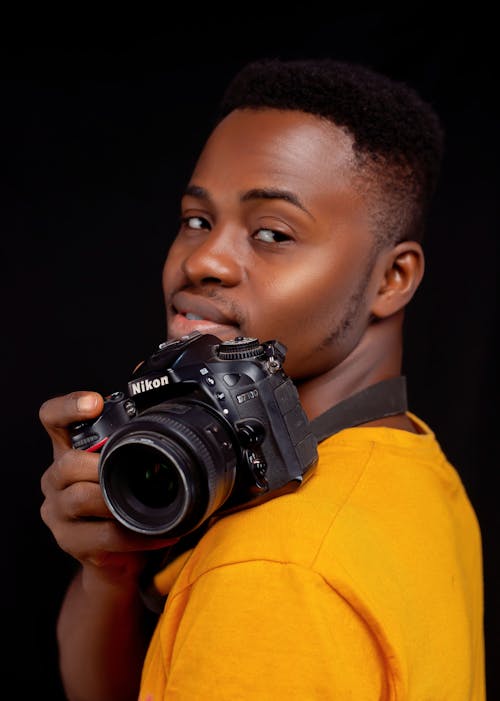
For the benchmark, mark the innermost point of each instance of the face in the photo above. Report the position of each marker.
(274, 241)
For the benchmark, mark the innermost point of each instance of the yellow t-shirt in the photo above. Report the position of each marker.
(364, 584)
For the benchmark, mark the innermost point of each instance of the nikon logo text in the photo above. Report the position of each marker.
(147, 385)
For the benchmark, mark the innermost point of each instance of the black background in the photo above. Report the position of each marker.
(100, 125)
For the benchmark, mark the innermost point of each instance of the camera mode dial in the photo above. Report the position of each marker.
(240, 348)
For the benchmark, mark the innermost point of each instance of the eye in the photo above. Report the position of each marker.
(194, 222)
(271, 236)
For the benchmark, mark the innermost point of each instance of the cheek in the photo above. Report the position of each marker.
(299, 317)
(304, 296)
(171, 269)
(305, 309)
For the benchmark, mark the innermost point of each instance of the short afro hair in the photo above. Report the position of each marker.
(397, 136)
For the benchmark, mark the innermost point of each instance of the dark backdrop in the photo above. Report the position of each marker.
(99, 129)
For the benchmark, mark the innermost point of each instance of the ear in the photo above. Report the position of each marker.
(401, 271)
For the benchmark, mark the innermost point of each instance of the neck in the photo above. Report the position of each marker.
(376, 357)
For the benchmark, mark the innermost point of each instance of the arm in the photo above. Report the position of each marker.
(103, 627)
(103, 632)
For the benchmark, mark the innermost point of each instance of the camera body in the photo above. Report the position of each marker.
(205, 427)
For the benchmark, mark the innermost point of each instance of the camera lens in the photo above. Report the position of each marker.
(150, 476)
(168, 469)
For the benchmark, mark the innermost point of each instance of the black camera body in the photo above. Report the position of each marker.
(205, 427)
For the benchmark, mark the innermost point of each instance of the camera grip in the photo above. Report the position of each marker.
(92, 435)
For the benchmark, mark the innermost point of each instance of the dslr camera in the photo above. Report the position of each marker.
(204, 428)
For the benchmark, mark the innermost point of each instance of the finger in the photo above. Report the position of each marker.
(58, 413)
(71, 490)
(79, 501)
(74, 503)
(96, 539)
(82, 505)
(70, 466)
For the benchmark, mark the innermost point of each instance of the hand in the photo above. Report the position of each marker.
(74, 508)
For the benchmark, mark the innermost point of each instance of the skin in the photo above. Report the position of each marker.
(276, 242)
(299, 266)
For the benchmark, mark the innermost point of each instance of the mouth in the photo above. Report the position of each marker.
(188, 313)
(192, 317)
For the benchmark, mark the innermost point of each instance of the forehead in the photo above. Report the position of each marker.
(268, 147)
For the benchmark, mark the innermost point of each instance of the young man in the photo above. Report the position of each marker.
(302, 222)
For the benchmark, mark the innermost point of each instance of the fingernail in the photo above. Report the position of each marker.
(86, 403)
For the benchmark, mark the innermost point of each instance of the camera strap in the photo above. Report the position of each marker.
(385, 398)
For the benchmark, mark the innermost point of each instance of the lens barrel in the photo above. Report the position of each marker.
(169, 469)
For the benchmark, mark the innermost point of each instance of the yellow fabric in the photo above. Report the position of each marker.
(364, 584)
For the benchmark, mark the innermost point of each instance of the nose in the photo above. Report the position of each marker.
(216, 259)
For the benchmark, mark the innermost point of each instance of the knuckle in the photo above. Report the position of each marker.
(45, 482)
(44, 411)
(45, 512)
(80, 499)
(106, 536)
(66, 461)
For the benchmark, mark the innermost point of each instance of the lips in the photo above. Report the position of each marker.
(200, 308)
(191, 312)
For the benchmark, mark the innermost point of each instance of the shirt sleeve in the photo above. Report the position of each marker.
(269, 630)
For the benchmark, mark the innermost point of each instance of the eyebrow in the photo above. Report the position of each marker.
(260, 193)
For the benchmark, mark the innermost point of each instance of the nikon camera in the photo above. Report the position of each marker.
(205, 426)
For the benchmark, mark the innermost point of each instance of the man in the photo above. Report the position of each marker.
(302, 222)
